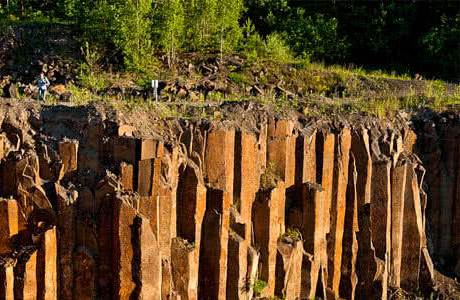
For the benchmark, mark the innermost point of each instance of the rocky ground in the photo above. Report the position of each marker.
(236, 201)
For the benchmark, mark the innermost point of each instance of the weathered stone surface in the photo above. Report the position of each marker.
(9, 224)
(149, 276)
(186, 218)
(338, 210)
(2, 146)
(124, 149)
(213, 247)
(268, 222)
(398, 190)
(381, 218)
(66, 235)
(25, 278)
(413, 241)
(84, 279)
(127, 176)
(6, 282)
(349, 279)
(123, 251)
(281, 149)
(184, 269)
(314, 233)
(47, 275)
(237, 266)
(68, 151)
(291, 255)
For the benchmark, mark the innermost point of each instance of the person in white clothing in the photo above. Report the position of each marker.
(43, 84)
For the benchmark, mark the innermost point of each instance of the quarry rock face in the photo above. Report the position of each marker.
(93, 209)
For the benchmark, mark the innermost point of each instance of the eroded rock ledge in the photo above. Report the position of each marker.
(100, 205)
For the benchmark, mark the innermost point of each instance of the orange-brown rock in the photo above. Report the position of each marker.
(281, 149)
(9, 224)
(289, 278)
(338, 210)
(268, 222)
(149, 263)
(397, 221)
(47, 275)
(68, 151)
(6, 282)
(122, 251)
(184, 269)
(315, 246)
(349, 278)
(111, 207)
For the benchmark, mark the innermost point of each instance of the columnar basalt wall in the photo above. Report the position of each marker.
(93, 210)
(437, 146)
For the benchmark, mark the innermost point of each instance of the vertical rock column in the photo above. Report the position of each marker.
(25, 277)
(122, 234)
(413, 232)
(6, 282)
(66, 238)
(349, 279)
(9, 226)
(325, 153)
(147, 261)
(246, 184)
(398, 190)
(381, 221)
(289, 265)
(190, 207)
(366, 262)
(281, 149)
(219, 168)
(47, 282)
(268, 222)
(314, 236)
(338, 209)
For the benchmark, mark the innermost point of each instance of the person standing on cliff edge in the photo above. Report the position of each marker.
(43, 84)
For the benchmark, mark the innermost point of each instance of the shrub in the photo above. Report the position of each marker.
(269, 178)
(293, 233)
(277, 49)
(258, 287)
(315, 37)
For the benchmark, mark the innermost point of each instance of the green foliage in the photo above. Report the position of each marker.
(91, 75)
(272, 47)
(124, 25)
(228, 31)
(269, 178)
(442, 44)
(293, 233)
(132, 26)
(406, 36)
(277, 49)
(239, 78)
(258, 287)
(168, 27)
(253, 44)
(212, 24)
(315, 37)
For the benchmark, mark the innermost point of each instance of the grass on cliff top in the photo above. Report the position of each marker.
(312, 88)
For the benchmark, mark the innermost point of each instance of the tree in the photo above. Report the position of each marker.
(125, 25)
(200, 23)
(228, 30)
(133, 25)
(169, 27)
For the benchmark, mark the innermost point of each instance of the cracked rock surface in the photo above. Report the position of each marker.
(102, 204)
